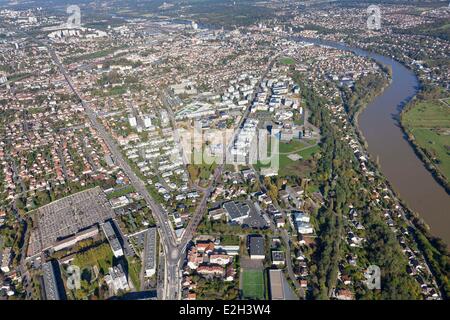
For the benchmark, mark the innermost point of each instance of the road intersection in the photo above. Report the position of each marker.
(173, 248)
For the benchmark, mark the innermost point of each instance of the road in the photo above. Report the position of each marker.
(168, 237)
(173, 251)
(168, 102)
(286, 239)
(202, 207)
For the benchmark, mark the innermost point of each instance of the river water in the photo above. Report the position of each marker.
(379, 125)
(386, 142)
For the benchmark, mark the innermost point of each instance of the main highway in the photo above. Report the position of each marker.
(171, 249)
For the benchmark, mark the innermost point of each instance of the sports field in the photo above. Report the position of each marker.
(253, 284)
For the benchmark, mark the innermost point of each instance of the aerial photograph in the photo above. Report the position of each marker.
(255, 153)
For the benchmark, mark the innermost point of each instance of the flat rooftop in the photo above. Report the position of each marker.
(50, 282)
(276, 285)
(236, 211)
(279, 287)
(256, 245)
(67, 216)
(111, 235)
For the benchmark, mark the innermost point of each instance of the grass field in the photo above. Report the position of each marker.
(304, 148)
(287, 61)
(292, 146)
(253, 284)
(428, 115)
(120, 192)
(18, 77)
(429, 122)
(102, 256)
(308, 153)
(134, 270)
(230, 240)
(92, 55)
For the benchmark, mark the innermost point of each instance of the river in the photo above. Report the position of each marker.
(378, 122)
(387, 142)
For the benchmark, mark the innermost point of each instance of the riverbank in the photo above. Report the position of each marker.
(355, 122)
(409, 136)
(383, 137)
(434, 249)
(419, 150)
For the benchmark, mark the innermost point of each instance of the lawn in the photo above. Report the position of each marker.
(120, 192)
(432, 114)
(201, 171)
(287, 61)
(292, 146)
(230, 240)
(429, 122)
(299, 147)
(437, 143)
(308, 153)
(134, 270)
(18, 77)
(303, 148)
(253, 284)
(92, 55)
(101, 256)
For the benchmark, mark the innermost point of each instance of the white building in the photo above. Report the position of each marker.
(117, 280)
(304, 228)
(132, 121)
(300, 216)
(147, 121)
(6, 259)
(3, 79)
(110, 234)
(221, 259)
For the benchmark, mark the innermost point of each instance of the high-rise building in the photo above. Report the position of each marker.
(132, 121)
(147, 121)
(150, 252)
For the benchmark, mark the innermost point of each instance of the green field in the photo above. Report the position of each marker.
(429, 123)
(253, 284)
(230, 240)
(134, 270)
(304, 148)
(308, 153)
(292, 146)
(120, 192)
(287, 61)
(92, 55)
(102, 256)
(428, 115)
(110, 92)
(18, 77)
